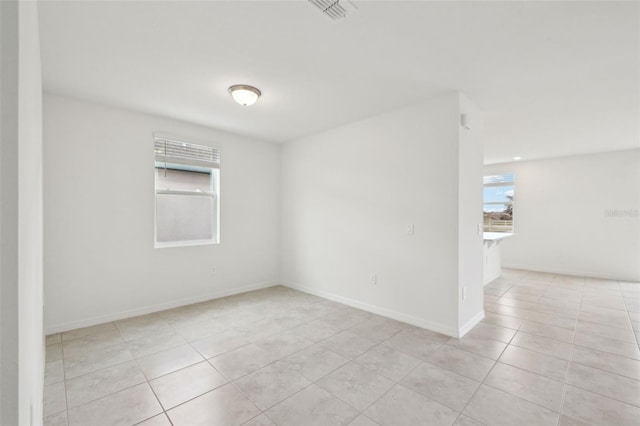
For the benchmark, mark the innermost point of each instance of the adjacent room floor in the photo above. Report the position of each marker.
(552, 350)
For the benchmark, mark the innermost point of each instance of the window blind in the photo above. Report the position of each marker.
(173, 151)
(506, 178)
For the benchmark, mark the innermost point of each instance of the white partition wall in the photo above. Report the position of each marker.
(470, 233)
(383, 214)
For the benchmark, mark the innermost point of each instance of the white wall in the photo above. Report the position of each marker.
(349, 194)
(100, 263)
(22, 358)
(470, 249)
(560, 215)
(9, 311)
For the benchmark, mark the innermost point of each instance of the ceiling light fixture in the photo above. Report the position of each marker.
(244, 94)
(517, 158)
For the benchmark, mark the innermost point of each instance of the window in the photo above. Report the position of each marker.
(187, 182)
(498, 203)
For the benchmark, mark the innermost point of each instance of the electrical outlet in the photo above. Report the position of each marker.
(214, 269)
(410, 229)
(374, 279)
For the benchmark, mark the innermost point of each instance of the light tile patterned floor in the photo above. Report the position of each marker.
(552, 350)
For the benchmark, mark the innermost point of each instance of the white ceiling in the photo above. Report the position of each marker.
(554, 78)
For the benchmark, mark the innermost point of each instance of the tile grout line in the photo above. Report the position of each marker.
(174, 328)
(207, 360)
(312, 382)
(266, 365)
(395, 383)
(148, 383)
(599, 369)
(136, 361)
(498, 360)
(485, 378)
(349, 360)
(566, 374)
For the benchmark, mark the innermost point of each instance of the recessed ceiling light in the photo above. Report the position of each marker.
(244, 94)
(517, 158)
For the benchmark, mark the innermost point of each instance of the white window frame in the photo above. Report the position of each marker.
(169, 163)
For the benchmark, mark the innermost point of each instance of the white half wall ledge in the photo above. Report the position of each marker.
(389, 313)
(72, 325)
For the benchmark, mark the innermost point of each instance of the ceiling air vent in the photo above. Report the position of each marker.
(334, 9)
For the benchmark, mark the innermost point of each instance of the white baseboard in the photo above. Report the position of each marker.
(385, 312)
(573, 272)
(470, 324)
(101, 319)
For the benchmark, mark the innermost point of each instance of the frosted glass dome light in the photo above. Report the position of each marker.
(244, 94)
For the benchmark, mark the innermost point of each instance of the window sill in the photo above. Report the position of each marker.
(186, 243)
